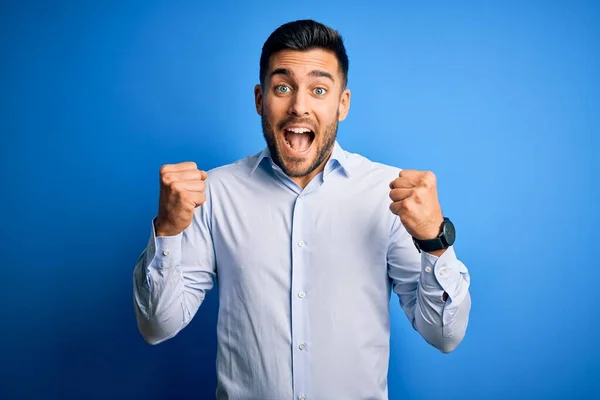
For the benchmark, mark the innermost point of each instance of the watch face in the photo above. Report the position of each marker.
(449, 232)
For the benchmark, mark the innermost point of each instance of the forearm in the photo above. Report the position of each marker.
(443, 301)
(159, 295)
(170, 281)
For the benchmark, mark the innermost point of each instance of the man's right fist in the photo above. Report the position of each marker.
(181, 191)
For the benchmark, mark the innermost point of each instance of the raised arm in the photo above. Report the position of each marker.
(177, 267)
(433, 287)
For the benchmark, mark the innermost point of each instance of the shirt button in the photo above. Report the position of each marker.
(428, 269)
(301, 295)
(442, 271)
(301, 397)
(301, 243)
(302, 346)
(165, 252)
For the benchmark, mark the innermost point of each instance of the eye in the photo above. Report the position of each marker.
(282, 88)
(320, 91)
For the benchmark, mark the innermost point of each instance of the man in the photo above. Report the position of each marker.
(307, 241)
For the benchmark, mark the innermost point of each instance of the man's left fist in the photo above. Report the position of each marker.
(415, 201)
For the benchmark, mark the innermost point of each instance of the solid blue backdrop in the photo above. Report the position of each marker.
(499, 100)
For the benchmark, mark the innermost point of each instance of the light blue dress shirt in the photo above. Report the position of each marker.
(305, 278)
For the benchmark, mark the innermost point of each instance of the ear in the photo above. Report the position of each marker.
(258, 99)
(344, 106)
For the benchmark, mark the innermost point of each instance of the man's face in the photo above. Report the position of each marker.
(300, 107)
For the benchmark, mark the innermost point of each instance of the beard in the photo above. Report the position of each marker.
(293, 168)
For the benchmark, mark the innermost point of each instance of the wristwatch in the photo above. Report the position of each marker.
(444, 240)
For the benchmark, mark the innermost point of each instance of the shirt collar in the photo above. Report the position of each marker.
(338, 155)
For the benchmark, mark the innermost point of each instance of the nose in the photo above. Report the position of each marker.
(299, 104)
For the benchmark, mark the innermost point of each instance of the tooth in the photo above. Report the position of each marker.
(299, 130)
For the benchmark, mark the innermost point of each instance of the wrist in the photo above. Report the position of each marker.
(161, 229)
(430, 230)
(434, 229)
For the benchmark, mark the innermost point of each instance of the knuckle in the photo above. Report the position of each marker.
(430, 177)
(185, 201)
(417, 196)
(184, 197)
(165, 178)
(175, 186)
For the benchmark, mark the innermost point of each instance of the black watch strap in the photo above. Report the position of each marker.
(430, 245)
(444, 239)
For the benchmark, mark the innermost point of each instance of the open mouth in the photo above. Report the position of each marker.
(298, 139)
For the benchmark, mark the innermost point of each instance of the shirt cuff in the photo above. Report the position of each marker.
(163, 251)
(443, 272)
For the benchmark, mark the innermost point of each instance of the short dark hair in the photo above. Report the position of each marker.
(304, 35)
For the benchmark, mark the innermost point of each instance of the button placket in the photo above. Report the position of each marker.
(299, 305)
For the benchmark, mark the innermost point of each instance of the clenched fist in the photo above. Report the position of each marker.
(415, 201)
(181, 191)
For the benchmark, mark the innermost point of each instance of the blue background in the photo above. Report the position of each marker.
(499, 99)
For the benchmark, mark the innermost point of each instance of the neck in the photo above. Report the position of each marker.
(303, 181)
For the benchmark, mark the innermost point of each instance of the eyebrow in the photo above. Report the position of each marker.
(314, 73)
